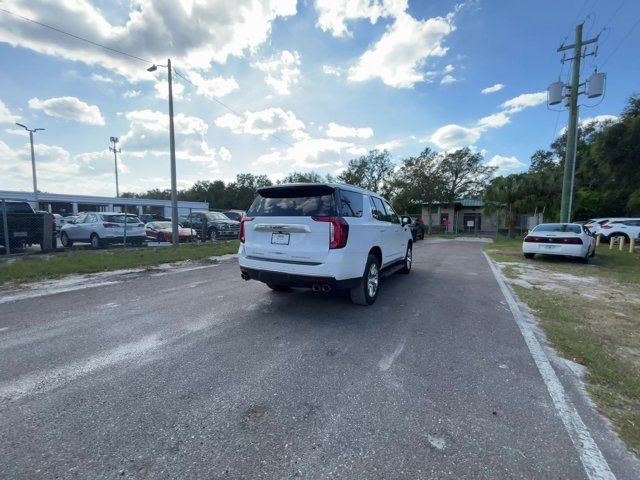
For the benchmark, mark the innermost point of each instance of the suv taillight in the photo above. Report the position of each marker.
(338, 231)
(110, 225)
(242, 228)
(606, 226)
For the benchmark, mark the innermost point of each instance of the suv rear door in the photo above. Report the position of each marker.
(289, 223)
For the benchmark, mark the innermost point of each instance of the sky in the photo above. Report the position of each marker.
(275, 86)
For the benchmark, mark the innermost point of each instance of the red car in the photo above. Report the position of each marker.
(161, 232)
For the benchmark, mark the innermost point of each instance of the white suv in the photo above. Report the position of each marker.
(323, 236)
(102, 228)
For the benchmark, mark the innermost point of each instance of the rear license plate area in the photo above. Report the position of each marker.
(280, 238)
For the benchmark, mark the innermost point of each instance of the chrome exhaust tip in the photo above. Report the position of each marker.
(316, 287)
(326, 288)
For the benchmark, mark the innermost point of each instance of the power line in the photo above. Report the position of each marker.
(621, 42)
(615, 13)
(77, 37)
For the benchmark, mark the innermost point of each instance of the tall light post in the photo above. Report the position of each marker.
(33, 162)
(115, 151)
(172, 146)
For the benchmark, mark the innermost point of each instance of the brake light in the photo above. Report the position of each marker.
(606, 226)
(110, 225)
(564, 240)
(572, 240)
(531, 239)
(338, 231)
(242, 228)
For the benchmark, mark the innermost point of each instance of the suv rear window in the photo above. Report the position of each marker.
(294, 201)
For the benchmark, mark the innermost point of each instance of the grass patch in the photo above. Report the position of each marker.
(591, 315)
(39, 267)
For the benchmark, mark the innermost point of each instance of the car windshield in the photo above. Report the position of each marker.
(558, 227)
(294, 201)
(216, 216)
(119, 218)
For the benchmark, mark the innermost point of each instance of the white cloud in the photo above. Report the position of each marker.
(454, 136)
(101, 78)
(523, 101)
(340, 131)
(391, 145)
(448, 79)
(494, 121)
(132, 93)
(504, 164)
(5, 114)
(281, 71)
(193, 34)
(329, 70)
(20, 132)
(215, 87)
(264, 122)
(332, 14)
(312, 153)
(494, 88)
(149, 134)
(69, 108)
(449, 68)
(599, 119)
(398, 57)
(162, 90)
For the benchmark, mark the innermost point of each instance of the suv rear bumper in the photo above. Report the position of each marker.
(296, 281)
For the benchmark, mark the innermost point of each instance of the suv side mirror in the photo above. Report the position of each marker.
(406, 221)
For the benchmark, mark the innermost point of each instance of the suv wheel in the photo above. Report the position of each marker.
(95, 241)
(367, 291)
(64, 238)
(408, 259)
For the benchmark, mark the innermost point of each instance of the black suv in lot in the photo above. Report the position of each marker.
(211, 225)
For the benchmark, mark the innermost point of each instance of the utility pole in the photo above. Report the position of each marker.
(572, 130)
(33, 163)
(172, 150)
(115, 151)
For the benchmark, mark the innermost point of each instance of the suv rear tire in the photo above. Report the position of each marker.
(366, 292)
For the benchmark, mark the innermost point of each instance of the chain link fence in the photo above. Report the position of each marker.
(23, 230)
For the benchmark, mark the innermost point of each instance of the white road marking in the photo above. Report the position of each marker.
(591, 457)
(387, 360)
(50, 379)
(3, 329)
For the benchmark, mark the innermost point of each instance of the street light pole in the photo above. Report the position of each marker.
(115, 151)
(33, 162)
(172, 149)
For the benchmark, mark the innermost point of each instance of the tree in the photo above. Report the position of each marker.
(370, 171)
(463, 174)
(417, 181)
(303, 177)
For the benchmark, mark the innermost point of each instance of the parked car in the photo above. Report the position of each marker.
(323, 236)
(25, 226)
(163, 232)
(211, 225)
(60, 221)
(70, 218)
(594, 225)
(417, 227)
(103, 228)
(564, 239)
(236, 215)
(626, 228)
(152, 217)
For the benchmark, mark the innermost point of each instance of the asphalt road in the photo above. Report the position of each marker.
(195, 373)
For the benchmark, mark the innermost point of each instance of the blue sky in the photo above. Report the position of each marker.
(329, 79)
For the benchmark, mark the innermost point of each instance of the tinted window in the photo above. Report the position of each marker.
(392, 216)
(558, 227)
(119, 218)
(377, 210)
(17, 208)
(234, 216)
(632, 223)
(216, 216)
(350, 204)
(296, 201)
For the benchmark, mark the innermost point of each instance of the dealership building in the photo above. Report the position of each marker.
(72, 204)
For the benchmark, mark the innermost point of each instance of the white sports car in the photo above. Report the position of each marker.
(565, 239)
